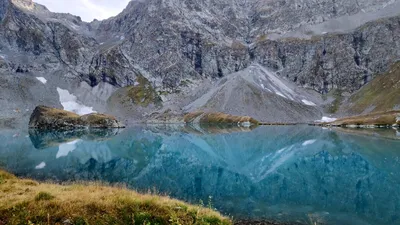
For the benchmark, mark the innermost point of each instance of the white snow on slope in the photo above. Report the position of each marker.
(41, 166)
(306, 102)
(275, 83)
(326, 120)
(309, 142)
(70, 103)
(65, 149)
(42, 79)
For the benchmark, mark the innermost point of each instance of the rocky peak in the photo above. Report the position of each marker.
(24, 4)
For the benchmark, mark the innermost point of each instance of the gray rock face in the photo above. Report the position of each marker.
(193, 39)
(174, 42)
(343, 61)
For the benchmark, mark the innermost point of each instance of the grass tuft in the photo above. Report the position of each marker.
(44, 196)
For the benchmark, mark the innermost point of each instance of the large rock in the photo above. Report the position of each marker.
(45, 118)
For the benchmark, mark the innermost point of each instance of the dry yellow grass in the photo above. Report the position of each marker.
(29, 202)
(188, 118)
(219, 118)
(378, 119)
(58, 112)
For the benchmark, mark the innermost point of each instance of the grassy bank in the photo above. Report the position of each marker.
(218, 118)
(374, 119)
(25, 201)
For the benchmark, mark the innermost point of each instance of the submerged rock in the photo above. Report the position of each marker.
(45, 118)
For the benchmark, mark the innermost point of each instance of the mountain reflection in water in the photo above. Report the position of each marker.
(292, 173)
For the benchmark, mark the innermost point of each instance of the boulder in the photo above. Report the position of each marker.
(47, 118)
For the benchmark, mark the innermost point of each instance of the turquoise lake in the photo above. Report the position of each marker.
(285, 173)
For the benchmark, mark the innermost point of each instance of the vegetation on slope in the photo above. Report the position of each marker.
(381, 94)
(337, 95)
(29, 202)
(143, 93)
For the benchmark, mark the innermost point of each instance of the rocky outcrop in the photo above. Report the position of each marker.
(219, 118)
(46, 118)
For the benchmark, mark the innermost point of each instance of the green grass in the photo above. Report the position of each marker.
(29, 202)
(43, 196)
(381, 94)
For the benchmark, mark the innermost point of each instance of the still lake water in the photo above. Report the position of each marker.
(293, 173)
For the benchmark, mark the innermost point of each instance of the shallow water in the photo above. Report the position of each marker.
(294, 173)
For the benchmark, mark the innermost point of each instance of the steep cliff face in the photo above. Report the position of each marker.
(35, 41)
(334, 61)
(195, 39)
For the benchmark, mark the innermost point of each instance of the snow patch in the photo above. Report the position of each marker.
(326, 120)
(309, 142)
(65, 149)
(280, 94)
(306, 102)
(73, 26)
(41, 166)
(42, 79)
(70, 103)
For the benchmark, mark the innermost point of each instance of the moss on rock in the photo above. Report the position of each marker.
(46, 118)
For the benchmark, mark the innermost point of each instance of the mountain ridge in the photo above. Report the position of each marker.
(181, 48)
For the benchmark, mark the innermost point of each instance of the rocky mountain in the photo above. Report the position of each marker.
(167, 54)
